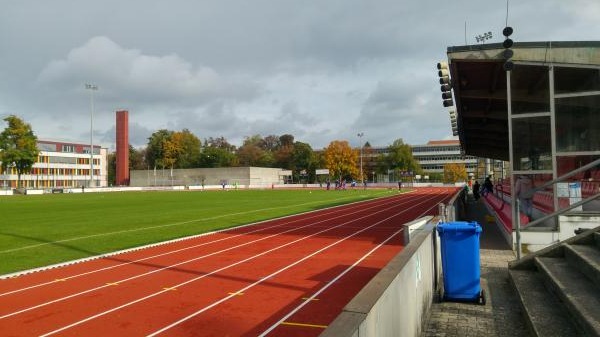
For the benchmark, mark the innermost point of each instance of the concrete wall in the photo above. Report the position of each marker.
(242, 176)
(397, 301)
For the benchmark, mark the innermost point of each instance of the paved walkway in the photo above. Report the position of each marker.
(502, 314)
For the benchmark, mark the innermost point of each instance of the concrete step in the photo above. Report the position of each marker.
(586, 259)
(579, 294)
(544, 313)
(597, 239)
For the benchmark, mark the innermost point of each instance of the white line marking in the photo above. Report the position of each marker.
(272, 275)
(221, 269)
(316, 215)
(191, 260)
(329, 284)
(161, 226)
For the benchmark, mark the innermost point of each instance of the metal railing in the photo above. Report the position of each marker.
(561, 211)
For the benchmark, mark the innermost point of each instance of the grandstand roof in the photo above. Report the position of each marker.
(479, 87)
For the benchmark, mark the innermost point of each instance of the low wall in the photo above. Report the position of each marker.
(397, 300)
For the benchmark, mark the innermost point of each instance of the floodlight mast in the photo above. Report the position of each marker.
(360, 135)
(91, 88)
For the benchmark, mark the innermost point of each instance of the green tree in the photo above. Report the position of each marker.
(400, 158)
(18, 147)
(212, 156)
(137, 159)
(217, 152)
(286, 140)
(111, 174)
(271, 143)
(155, 151)
(283, 157)
(187, 149)
(252, 153)
(341, 159)
(303, 159)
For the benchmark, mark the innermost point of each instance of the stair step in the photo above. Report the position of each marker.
(597, 239)
(545, 314)
(580, 296)
(586, 259)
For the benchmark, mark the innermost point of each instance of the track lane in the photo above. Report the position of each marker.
(222, 277)
(107, 279)
(223, 281)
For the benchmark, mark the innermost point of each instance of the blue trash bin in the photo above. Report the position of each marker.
(460, 261)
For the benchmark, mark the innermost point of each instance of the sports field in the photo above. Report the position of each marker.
(41, 230)
(289, 276)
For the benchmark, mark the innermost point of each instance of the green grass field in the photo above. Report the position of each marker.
(41, 230)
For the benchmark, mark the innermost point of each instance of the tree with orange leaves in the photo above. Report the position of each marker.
(341, 160)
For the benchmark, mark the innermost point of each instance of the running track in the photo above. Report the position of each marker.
(286, 277)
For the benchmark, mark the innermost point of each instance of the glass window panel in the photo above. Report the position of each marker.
(532, 144)
(570, 80)
(566, 164)
(530, 89)
(578, 124)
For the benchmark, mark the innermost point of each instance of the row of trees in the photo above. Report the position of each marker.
(168, 149)
(182, 149)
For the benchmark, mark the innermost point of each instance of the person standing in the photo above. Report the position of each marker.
(476, 190)
(523, 188)
(488, 187)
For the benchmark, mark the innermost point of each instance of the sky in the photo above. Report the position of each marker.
(320, 70)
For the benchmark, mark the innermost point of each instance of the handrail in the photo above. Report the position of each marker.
(564, 210)
(530, 193)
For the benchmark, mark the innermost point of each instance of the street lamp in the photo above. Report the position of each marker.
(360, 135)
(92, 88)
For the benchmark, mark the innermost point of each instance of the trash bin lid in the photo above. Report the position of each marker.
(459, 226)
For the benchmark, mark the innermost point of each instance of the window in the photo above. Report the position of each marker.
(531, 144)
(530, 89)
(571, 80)
(578, 124)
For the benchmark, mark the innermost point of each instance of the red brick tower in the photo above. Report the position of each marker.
(122, 172)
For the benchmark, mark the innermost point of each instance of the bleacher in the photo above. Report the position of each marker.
(543, 201)
(503, 211)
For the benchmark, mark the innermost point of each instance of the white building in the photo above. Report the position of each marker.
(61, 165)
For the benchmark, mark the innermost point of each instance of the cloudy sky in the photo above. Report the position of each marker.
(320, 70)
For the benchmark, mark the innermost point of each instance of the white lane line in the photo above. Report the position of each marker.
(334, 210)
(160, 226)
(329, 284)
(187, 261)
(217, 271)
(273, 274)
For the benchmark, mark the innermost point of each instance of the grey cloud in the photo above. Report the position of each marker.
(321, 70)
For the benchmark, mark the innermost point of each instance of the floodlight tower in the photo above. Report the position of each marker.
(91, 88)
(360, 135)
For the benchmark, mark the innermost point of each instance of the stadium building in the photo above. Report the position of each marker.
(436, 153)
(534, 105)
(61, 165)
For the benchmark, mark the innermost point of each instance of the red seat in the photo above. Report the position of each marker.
(543, 201)
(494, 201)
(589, 188)
(503, 212)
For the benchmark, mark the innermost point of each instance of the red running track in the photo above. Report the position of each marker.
(286, 277)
